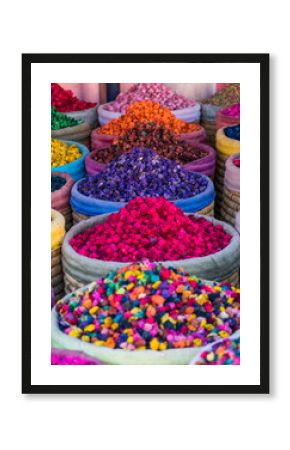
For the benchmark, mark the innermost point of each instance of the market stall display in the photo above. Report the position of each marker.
(61, 185)
(68, 157)
(151, 228)
(143, 113)
(68, 129)
(231, 192)
(183, 108)
(141, 270)
(66, 102)
(146, 313)
(141, 173)
(227, 144)
(57, 235)
(228, 96)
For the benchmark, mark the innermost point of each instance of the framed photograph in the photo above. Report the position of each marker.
(155, 261)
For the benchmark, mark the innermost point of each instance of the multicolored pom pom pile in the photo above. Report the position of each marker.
(62, 153)
(226, 352)
(142, 173)
(233, 132)
(152, 228)
(147, 306)
(156, 92)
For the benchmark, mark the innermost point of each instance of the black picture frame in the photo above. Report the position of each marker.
(263, 60)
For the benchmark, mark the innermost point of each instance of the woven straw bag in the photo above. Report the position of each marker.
(231, 192)
(79, 133)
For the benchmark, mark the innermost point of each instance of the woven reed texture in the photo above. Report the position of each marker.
(67, 213)
(78, 217)
(56, 273)
(228, 217)
(208, 210)
(233, 196)
(219, 183)
(70, 284)
(59, 291)
(230, 206)
(210, 129)
(233, 279)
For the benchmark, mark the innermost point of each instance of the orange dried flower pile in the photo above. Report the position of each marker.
(146, 112)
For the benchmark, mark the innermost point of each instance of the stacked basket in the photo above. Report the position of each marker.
(226, 147)
(57, 236)
(208, 121)
(231, 193)
(210, 108)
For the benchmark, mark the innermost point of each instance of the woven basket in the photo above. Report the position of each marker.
(232, 198)
(210, 129)
(226, 147)
(56, 273)
(208, 210)
(79, 133)
(77, 217)
(230, 203)
(70, 283)
(233, 279)
(228, 217)
(230, 206)
(67, 213)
